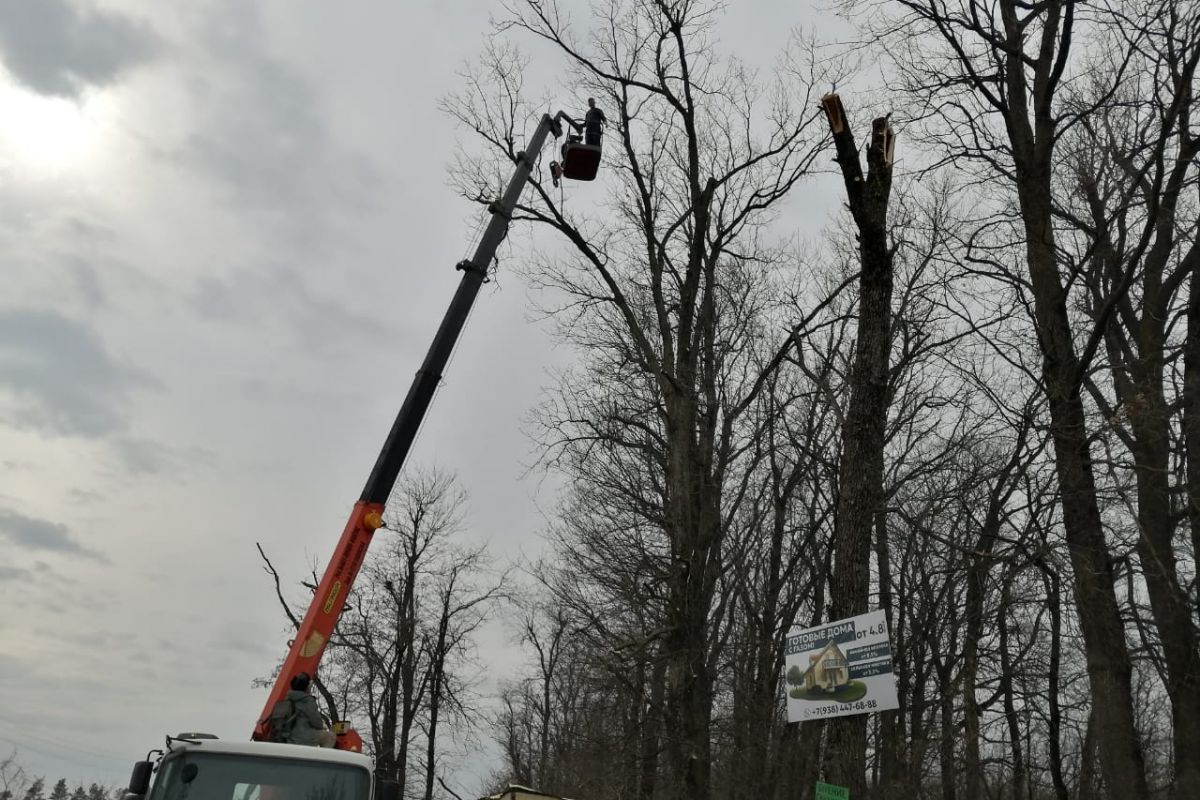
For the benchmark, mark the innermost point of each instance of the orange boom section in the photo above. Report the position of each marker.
(324, 610)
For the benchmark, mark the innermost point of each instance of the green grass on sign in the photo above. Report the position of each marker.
(827, 791)
(850, 692)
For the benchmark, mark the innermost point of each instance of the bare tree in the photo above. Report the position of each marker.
(466, 592)
(698, 158)
(407, 628)
(13, 779)
(993, 91)
(1131, 167)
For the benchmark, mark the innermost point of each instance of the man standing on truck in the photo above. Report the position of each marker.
(296, 718)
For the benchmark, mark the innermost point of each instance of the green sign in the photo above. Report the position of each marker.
(827, 791)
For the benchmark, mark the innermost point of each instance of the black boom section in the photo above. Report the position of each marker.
(408, 421)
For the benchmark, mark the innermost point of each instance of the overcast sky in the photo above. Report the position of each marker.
(226, 237)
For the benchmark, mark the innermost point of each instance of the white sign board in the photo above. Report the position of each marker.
(840, 669)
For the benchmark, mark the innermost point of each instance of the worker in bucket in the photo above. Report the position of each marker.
(592, 130)
(594, 123)
(297, 719)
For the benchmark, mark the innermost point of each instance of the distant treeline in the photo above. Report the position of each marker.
(17, 784)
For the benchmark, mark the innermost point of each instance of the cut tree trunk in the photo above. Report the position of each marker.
(860, 490)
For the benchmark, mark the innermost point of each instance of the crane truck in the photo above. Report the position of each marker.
(197, 766)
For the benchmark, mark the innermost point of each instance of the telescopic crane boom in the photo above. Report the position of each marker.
(366, 517)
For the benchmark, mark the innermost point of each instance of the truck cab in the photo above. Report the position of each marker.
(198, 767)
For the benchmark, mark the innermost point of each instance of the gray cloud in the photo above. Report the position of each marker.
(265, 132)
(31, 533)
(144, 457)
(87, 281)
(14, 574)
(216, 300)
(253, 642)
(238, 299)
(61, 376)
(139, 458)
(268, 136)
(83, 496)
(56, 48)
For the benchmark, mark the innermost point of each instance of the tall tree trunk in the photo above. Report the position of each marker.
(861, 463)
(1191, 410)
(1108, 663)
(978, 573)
(1139, 381)
(1051, 581)
(918, 732)
(634, 720)
(1191, 432)
(694, 530)
(1169, 602)
(407, 657)
(977, 579)
(435, 708)
(947, 736)
(1008, 695)
(891, 730)
(651, 731)
(1088, 785)
(1030, 120)
(438, 654)
(387, 762)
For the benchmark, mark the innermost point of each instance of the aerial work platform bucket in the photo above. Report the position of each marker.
(580, 161)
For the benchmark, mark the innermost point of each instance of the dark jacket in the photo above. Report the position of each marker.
(593, 122)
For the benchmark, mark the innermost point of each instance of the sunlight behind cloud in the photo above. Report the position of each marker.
(51, 134)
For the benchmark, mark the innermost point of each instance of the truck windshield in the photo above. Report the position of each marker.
(216, 776)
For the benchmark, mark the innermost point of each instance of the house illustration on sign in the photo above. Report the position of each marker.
(827, 669)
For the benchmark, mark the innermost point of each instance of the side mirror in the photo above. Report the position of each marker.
(387, 790)
(139, 781)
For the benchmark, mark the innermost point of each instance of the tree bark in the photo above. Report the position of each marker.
(1017, 781)
(1108, 663)
(1051, 581)
(1109, 668)
(891, 723)
(861, 463)
(1137, 343)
